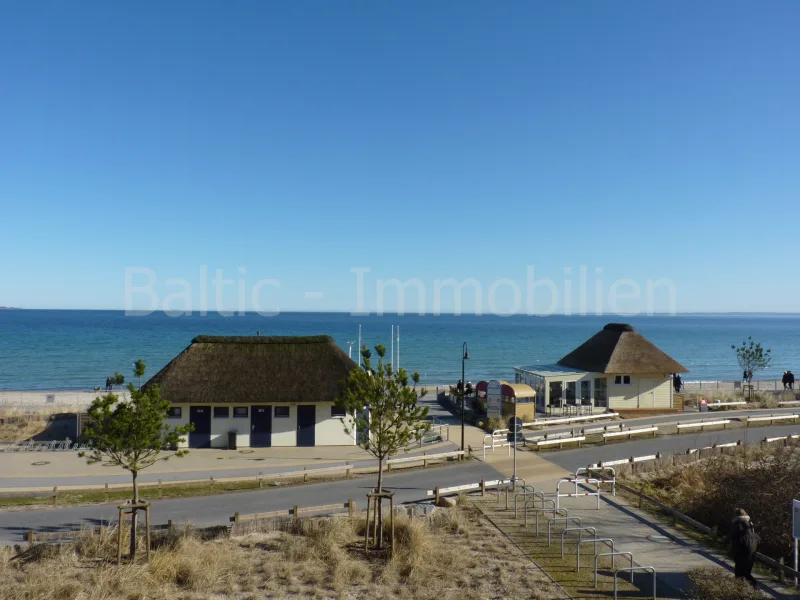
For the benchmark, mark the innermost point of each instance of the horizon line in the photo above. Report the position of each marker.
(407, 313)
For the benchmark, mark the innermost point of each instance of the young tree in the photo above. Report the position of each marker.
(138, 370)
(384, 405)
(132, 434)
(117, 378)
(752, 357)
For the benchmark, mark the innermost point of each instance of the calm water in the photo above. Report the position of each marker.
(78, 349)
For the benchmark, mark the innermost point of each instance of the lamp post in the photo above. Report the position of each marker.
(464, 359)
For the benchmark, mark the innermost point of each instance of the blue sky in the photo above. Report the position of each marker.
(296, 141)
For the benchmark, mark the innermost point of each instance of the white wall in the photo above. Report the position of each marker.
(180, 422)
(330, 430)
(284, 431)
(221, 427)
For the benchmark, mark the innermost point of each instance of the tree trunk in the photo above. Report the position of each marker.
(380, 504)
(135, 515)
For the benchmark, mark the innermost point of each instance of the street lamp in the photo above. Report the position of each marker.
(464, 359)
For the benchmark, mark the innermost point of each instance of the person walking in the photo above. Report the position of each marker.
(677, 382)
(745, 545)
(785, 380)
(791, 380)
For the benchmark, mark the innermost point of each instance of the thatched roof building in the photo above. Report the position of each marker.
(618, 348)
(246, 370)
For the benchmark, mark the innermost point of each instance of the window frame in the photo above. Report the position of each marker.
(246, 410)
(227, 414)
(288, 414)
(622, 378)
(340, 414)
(175, 412)
(600, 385)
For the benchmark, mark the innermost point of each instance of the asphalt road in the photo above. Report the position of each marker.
(216, 510)
(666, 445)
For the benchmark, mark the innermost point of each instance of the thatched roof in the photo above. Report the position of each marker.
(214, 369)
(618, 348)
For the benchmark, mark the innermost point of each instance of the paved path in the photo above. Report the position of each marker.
(270, 466)
(652, 542)
(216, 510)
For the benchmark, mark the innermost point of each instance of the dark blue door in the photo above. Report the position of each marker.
(200, 437)
(260, 426)
(306, 421)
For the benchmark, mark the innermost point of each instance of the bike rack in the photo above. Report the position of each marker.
(525, 495)
(510, 488)
(612, 555)
(578, 549)
(580, 531)
(566, 519)
(537, 511)
(632, 569)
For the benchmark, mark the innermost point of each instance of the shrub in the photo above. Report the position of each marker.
(713, 583)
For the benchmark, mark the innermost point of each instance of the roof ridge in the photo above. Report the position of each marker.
(262, 339)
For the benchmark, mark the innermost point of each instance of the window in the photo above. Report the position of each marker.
(601, 393)
(240, 412)
(622, 379)
(570, 389)
(586, 397)
(174, 412)
(555, 393)
(338, 411)
(281, 412)
(223, 412)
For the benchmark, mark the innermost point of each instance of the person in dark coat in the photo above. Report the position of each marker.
(791, 380)
(677, 382)
(745, 545)
(785, 380)
(108, 384)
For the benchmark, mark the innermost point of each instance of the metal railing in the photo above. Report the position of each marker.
(612, 555)
(632, 569)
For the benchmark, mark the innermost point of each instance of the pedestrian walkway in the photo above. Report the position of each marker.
(652, 542)
(66, 470)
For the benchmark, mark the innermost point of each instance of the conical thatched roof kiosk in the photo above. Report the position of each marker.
(616, 369)
(619, 348)
(272, 391)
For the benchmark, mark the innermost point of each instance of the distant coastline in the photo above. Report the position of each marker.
(9, 308)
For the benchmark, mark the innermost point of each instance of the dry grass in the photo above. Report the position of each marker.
(17, 425)
(719, 584)
(763, 481)
(453, 555)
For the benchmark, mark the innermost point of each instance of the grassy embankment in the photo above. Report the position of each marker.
(763, 481)
(453, 555)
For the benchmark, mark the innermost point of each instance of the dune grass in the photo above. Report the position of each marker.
(454, 554)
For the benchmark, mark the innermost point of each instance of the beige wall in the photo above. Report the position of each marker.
(645, 392)
(328, 431)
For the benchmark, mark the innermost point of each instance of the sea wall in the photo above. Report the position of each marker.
(67, 401)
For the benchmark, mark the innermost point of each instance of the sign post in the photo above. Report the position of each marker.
(795, 531)
(515, 427)
(494, 400)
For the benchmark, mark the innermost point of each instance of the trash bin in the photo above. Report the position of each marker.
(231, 440)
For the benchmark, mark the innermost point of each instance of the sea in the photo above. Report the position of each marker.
(77, 350)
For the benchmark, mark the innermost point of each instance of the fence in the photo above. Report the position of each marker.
(765, 385)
